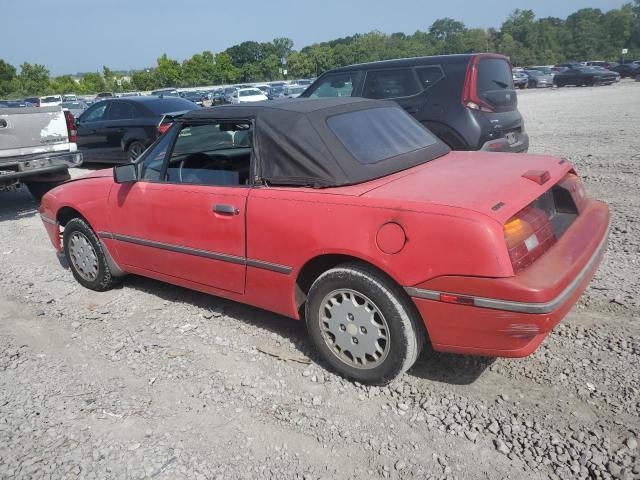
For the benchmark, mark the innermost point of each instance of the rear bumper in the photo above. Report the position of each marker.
(17, 168)
(502, 144)
(511, 317)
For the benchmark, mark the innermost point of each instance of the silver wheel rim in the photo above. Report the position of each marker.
(83, 256)
(135, 150)
(354, 329)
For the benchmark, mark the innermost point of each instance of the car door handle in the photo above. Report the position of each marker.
(226, 209)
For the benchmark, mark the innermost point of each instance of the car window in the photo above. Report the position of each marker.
(121, 111)
(376, 134)
(153, 161)
(95, 113)
(428, 76)
(335, 85)
(250, 93)
(493, 74)
(390, 84)
(169, 105)
(211, 154)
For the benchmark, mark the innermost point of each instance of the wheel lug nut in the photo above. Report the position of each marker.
(354, 340)
(343, 328)
(350, 316)
(363, 330)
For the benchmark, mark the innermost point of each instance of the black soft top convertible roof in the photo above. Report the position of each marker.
(294, 145)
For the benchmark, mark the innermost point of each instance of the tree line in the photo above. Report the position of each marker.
(587, 34)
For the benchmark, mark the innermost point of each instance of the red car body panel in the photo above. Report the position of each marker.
(431, 228)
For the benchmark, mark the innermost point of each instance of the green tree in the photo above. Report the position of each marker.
(199, 69)
(92, 83)
(299, 65)
(33, 79)
(282, 46)
(64, 84)
(8, 78)
(168, 73)
(143, 80)
(225, 71)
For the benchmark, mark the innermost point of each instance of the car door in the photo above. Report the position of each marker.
(185, 220)
(397, 84)
(119, 119)
(92, 136)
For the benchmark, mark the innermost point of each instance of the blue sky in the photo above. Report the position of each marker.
(81, 35)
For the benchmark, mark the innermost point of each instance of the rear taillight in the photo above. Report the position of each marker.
(163, 127)
(72, 132)
(470, 97)
(528, 234)
(574, 196)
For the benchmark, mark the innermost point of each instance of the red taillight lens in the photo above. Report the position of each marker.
(163, 127)
(528, 235)
(470, 97)
(572, 184)
(72, 132)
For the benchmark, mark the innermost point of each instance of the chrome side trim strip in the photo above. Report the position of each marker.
(420, 293)
(48, 220)
(274, 267)
(522, 307)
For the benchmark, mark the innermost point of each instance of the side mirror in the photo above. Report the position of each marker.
(125, 173)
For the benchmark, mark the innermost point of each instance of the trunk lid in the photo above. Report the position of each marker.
(489, 183)
(32, 130)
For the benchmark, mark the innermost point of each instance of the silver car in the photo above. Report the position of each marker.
(538, 79)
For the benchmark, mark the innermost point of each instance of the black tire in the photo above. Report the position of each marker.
(404, 339)
(134, 150)
(103, 280)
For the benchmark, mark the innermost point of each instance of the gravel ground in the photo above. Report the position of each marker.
(154, 381)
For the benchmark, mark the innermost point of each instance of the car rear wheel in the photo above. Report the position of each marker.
(363, 325)
(86, 256)
(135, 150)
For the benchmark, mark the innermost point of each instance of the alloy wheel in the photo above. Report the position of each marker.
(354, 329)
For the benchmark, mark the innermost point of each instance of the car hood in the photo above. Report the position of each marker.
(489, 183)
(105, 172)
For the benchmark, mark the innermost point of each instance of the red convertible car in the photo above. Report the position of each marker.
(349, 215)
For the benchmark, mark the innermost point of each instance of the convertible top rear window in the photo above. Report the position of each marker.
(377, 134)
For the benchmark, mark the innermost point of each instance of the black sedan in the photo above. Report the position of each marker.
(627, 70)
(583, 76)
(196, 97)
(118, 130)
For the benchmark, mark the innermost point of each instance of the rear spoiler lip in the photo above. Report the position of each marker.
(172, 115)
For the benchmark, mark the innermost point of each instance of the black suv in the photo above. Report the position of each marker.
(467, 100)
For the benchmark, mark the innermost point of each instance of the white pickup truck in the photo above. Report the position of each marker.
(37, 147)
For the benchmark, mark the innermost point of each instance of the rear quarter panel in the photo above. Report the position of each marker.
(292, 226)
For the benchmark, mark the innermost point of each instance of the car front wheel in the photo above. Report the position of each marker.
(86, 256)
(363, 325)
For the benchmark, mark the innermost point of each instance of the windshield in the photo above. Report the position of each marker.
(49, 99)
(376, 134)
(296, 89)
(250, 93)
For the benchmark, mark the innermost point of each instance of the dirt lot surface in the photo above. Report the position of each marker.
(154, 381)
